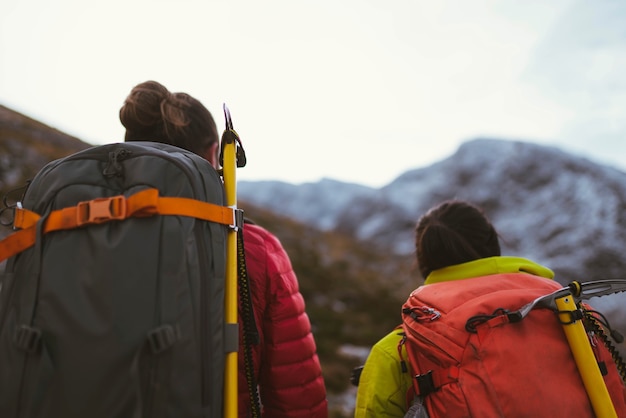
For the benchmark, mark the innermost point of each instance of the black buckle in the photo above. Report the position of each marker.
(27, 338)
(239, 219)
(162, 338)
(425, 383)
(355, 375)
(574, 316)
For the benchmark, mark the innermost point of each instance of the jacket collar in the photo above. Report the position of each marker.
(488, 266)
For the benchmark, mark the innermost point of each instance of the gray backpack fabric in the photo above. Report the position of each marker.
(123, 318)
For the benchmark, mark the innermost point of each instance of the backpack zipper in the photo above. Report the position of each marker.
(421, 317)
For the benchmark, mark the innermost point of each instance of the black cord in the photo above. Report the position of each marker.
(594, 323)
(250, 331)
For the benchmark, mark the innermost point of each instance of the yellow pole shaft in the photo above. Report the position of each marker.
(230, 294)
(585, 359)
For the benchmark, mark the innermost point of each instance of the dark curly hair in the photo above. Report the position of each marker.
(453, 232)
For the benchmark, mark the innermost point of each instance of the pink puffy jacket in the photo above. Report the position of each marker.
(286, 365)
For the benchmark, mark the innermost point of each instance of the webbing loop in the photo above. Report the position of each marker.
(575, 315)
(162, 338)
(27, 338)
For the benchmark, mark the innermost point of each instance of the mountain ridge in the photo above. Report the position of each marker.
(546, 204)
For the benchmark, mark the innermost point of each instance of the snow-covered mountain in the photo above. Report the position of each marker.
(317, 204)
(556, 208)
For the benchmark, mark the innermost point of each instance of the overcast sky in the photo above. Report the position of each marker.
(353, 90)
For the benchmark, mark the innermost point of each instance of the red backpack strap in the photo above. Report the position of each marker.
(410, 393)
(424, 383)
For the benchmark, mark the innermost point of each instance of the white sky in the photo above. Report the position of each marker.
(354, 90)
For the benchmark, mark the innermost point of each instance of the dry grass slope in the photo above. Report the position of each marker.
(26, 145)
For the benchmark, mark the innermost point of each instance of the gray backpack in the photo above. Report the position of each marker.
(112, 302)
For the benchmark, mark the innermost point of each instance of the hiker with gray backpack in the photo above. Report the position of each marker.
(285, 364)
(112, 300)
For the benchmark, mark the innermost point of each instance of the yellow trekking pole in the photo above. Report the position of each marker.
(231, 156)
(571, 320)
(564, 301)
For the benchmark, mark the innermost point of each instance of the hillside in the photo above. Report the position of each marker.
(26, 145)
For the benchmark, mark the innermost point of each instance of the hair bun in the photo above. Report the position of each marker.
(152, 113)
(142, 109)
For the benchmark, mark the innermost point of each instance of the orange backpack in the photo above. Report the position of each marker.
(470, 360)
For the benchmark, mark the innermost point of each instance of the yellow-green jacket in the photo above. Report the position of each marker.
(383, 385)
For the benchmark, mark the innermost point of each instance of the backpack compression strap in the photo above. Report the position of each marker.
(142, 204)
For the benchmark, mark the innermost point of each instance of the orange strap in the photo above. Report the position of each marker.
(96, 211)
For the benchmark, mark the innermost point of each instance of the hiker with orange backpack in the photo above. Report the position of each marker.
(286, 369)
(459, 351)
